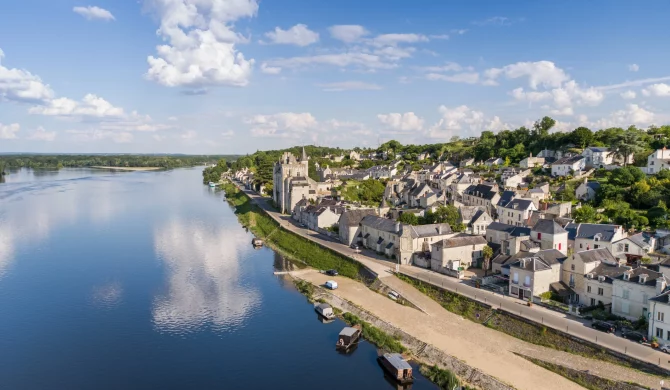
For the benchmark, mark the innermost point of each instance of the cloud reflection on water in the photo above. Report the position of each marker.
(204, 283)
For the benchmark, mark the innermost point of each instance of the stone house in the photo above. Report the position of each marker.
(581, 263)
(633, 289)
(494, 161)
(587, 190)
(599, 284)
(516, 212)
(586, 236)
(633, 248)
(568, 166)
(459, 251)
(597, 157)
(475, 219)
(550, 235)
(531, 162)
(349, 224)
(485, 195)
(533, 275)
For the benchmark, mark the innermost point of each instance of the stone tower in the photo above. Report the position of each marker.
(286, 169)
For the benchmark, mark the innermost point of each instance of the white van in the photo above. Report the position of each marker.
(331, 284)
(394, 295)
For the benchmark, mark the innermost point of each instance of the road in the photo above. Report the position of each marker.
(384, 268)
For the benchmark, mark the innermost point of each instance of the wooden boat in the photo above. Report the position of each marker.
(397, 367)
(325, 310)
(348, 337)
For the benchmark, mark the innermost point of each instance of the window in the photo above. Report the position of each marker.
(572, 280)
(588, 289)
(559, 246)
(659, 333)
(539, 236)
(625, 294)
(593, 302)
(580, 245)
(660, 316)
(601, 291)
(625, 308)
(645, 298)
(572, 267)
(515, 291)
(527, 281)
(516, 278)
(625, 248)
(596, 246)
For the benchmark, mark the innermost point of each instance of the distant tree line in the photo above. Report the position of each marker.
(37, 161)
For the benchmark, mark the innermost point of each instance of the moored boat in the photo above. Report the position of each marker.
(257, 242)
(348, 337)
(325, 310)
(397, 367)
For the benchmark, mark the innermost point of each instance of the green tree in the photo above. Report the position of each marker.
(582, 136)
(487, 253)
(541, 128)
(408, 219)
(626, 144)
(586, 214)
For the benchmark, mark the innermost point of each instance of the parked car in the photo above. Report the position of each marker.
(634, 336)
(331, 284)
(394, 295)
(665, 348)
(603, 326)
(332, 272)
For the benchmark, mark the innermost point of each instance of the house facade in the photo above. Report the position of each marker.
(597, 157)
(657, 161)
(568, 166)
(485, 195)
(532, 276)
(349, 224)
(659, 321)
(632, 291)
(581, 263)
(586, 236)
(550, 235)
(516, 212)
(458, 251)
(587, 190)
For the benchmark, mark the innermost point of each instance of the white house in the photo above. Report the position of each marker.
(475, 218)
(533, 275)
(494, 161)
(550, 235)
(466, 162)
(659, 307)
(568, 166)
(587, 190)
(632, 291)
(485, 195)
(597, 157)
(599, 283)
(349, 224)
(634, 247)
(657, 161)
(464, 250)
(516, 212)
(531, 162)
(585, 236)
(581, 263)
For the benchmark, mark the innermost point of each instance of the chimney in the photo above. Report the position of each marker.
(661, 284)
(586, 180)
(397, 227)
(439, 229)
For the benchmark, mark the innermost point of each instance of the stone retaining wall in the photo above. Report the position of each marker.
(430, 355)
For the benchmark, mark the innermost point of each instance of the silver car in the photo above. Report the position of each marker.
(665, 348)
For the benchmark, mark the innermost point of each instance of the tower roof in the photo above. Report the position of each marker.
(304, 155)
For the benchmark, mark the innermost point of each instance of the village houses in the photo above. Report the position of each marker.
(568, 166)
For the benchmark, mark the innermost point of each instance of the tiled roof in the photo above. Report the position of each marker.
(548, 226)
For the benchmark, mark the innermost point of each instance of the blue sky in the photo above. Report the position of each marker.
(233, 76)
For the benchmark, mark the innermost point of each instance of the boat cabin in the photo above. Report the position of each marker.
(325, 310)
(397, 367)
(348, 337)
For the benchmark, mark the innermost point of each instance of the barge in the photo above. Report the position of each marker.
(397, 367)
(348, 338)
(325, 311)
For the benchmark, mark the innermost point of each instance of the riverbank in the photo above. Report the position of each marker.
(130, 169)
(491, 351)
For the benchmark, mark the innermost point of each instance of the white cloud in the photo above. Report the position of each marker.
(93, 12)
(227, 134)
(284, 124)
(401, 122)
(628, 94)
(21, 86)
(348, 32)
(633, 83)
(100, 135)
(40, 134)
(394, 39)
(468, 78)
(348, 86)
(448, 67)
(299, 35)
(633, 67)
(660, 89)
(540, 73)
(632, 115)
(494, 21)
(270, 69)
(459, 31)
(190, 134)
(356, 59)
(9, 131)
(90, 106)
(532, 96)
(463, 121)
(395, 53)
(439, 36)
(201, 43)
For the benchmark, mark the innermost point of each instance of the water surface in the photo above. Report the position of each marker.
(137, 280)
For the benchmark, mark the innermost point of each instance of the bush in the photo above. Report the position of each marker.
(375, 335)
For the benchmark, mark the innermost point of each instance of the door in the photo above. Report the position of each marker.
(520, 293)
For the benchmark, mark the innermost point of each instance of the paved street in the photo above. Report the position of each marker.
(383, 268)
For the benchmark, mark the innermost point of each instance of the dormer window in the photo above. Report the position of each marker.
(643, 278)
(626, 276)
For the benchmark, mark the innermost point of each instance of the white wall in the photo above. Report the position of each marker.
(633, 307)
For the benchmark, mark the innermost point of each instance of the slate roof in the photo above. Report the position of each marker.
(506, 197)
(515, 231)
(484, 191)
(635, 276)
(662, 298)
(568, 160)
(589, 231)
(461, 240)
(641, 239)
(429, 230)
(594, 185)
(379, 223)
(416, 191)
(519, 204)
(527, 245)
(531, 264)
(548, 226)
(600, 254)
(609, 271)
(561, 289)
(469, 213)
(396, 360)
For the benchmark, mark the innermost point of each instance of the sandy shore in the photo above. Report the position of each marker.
(130, 168)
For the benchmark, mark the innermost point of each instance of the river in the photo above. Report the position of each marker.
(139, 280)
